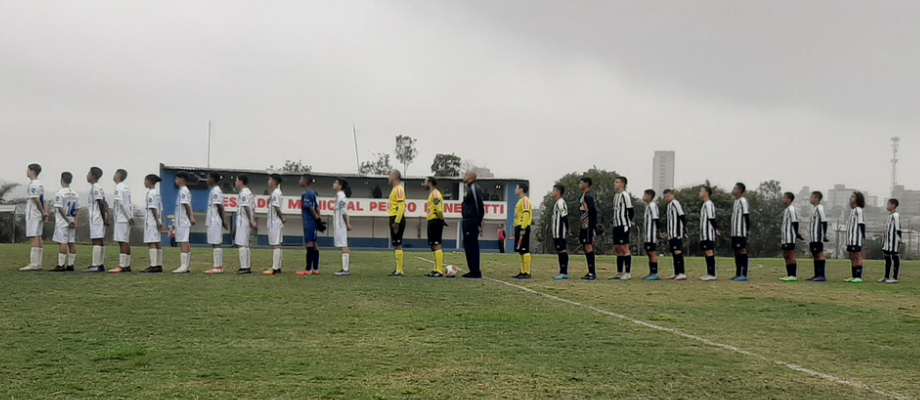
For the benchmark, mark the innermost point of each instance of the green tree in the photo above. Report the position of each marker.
(293, 167)
(446, 165)
(380, 166)
(6, 189)
(766, 217)
(405, 151)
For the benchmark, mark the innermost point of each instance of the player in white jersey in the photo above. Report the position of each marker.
(98, 220)
(275, 224)
(651, 224)
(342, 223)
(67, 212)
(185, 218)
(216, 222)
(891, 243)
(36, 216)
(245, 220)
(818, 236)
(153, 225)
(561, 231)
(124, 220)
(789, 234)
(740, 231)
(709, 232)
(856, 236)
(623, 216)
(677, 232)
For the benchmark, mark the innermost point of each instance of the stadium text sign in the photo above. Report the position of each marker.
(495, 210)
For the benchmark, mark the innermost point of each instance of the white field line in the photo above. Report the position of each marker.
(794, 367)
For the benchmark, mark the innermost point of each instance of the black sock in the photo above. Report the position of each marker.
(896, 271)
(620, 264)
(745, 262)
(564, 263)
(737, 265)
(315, 259)
(591, 268)
(711, 265)
(821, 268)
(857, 272)
(627, 264)
(887, 267)
(679, 264)
(652, 268)
(792, 270)
(309, 258)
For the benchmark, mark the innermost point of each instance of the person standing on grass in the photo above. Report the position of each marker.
(124, 220)
(275, 224)
(474, 211)
(397, 212)
(560, 226)
(856, 235)
(245, 220)
(185, 219)
(677, 232)
(588, 210)
(436, 226)
(709, 232)
(523, 219)
(740, 231)
(36, 216)
(342, 224)
(98, 220)
(153, 225)
(501, 238)
(652, 226)
(67, 205)
(818, 232)
(891, 244)
(789, 235)
(623, 216)
(216, 223)
(309, 210)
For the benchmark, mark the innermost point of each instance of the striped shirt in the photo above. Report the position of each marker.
(855, 227)
(790, 225)
(891, 242)
(676, 220)
(651, 222)
(560, 219)
(818, 220)
(740, 226)
(622, 209)
(707, 213)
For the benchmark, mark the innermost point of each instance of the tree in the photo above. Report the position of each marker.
(405, 151)
(766, 216)
(446, 165)
(293, 167)
(6, 189)
(380, 166)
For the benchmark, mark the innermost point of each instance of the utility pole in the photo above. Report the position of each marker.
(895, 144)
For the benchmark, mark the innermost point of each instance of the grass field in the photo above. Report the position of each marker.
(369, 337)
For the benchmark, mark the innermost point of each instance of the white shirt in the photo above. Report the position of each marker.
(67, 200)
(154, 203)
(739, 210)
(246, 206)
(708, 212)
(124, 211)
(341, 210)
(274, 220)
(185, 197)
(560, 214)
(95, 195)
(790, 216)
(215, 200)
(36, 191)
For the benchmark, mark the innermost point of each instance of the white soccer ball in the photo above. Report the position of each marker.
(450, 271)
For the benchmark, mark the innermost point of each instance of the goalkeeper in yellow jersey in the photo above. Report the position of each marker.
(436, 226)
(397, 212)
(523, 218)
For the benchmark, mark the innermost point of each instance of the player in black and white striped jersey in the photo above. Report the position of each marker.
(623, 216)
(789, 235)
(818, 236)
(856, 235)
(709, 231)
(560, 227)
(891, 243)
(741, 230)
(677, 232)
(651, 226)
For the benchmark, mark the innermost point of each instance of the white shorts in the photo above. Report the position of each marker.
(64, 235)
(274, 236)
(122, 232)
(242, 236)
(151, 234)
(34, 228)
(182, 233)
(341, 237)
(97, 231)
(215, 234)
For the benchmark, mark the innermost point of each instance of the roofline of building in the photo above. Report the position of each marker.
(321, 174)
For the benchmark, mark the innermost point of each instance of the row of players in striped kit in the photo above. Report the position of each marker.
(740, 230)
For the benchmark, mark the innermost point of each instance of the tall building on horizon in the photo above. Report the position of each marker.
(663, 171)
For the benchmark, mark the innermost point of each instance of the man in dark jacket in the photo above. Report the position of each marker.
(473, 213)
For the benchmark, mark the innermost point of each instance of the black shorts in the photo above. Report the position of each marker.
(788, 246)
(560, 245)
(522, 239)
(396, 238)
(739, 242)
(676, 244)
(854, 249)
(816, 248)
(586, 236)
(435, 232)
(620, 235)
(889, 253)
(707, 245)
(651, 247)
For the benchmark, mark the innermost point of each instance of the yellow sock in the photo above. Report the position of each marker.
(527, 261)
(523, 265)
(399, 261)
(439, 261)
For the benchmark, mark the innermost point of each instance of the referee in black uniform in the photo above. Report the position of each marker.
(473, 212)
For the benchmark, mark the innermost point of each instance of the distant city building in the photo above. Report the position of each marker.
(909, 199)
(839, 196)
(663, 171)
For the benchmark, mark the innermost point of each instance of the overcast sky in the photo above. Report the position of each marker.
(806, 92)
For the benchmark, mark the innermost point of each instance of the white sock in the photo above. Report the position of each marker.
(40, 257)
(62, 259)
(244, 258)
(71, 259)
(276, 259)
(121, 260)
(183, 259)
(153, 256)
(159, 257)
(128, 260)
(345, 259)
(218, 257)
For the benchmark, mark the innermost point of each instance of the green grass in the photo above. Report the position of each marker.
(370, 337)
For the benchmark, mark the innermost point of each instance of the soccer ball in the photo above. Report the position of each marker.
(450, 271)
